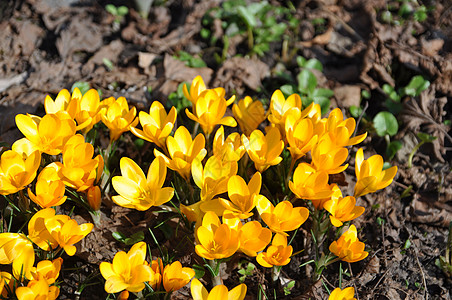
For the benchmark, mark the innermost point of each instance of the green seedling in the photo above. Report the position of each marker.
(118, 12)
(108, 64)
(134, 238)
(177, 99)
(288, 287)
(424, 138)
(445, 262)
(397, 13)
(307, 85)
(190, 60)
(143, 7)
(245, 271)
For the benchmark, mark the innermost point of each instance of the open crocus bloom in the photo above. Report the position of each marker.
(219, 292)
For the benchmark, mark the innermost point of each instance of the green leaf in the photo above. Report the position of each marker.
(392, 149)
(307, 81)
(287, 90)
(385, 123)
(355, 111)
(123, 10)
(134, 238)
(199, 271)
(247, 16)
(118, 236)
(421, 14)
(301, 61)
(365, 94)
(314, 63)
(416, 86)
(83, 86)
(386, 165)
(108, 63)
(111, 9)
(426, 138)
(405, 10)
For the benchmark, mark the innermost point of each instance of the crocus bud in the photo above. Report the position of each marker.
(94, 197)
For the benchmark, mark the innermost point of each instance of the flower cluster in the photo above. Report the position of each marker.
(242, 190)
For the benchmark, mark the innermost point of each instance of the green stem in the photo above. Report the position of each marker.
(275, 273)
(216, 279)
(410, 158)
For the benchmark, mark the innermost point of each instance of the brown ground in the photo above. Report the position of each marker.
(47, 45)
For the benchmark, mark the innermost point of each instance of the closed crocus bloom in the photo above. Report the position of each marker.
(253, 238)
(264, 150)
(282, 217)
(129, 271)
(64, 102)
(249, 114)
(299, 134)
(348, 248)
(345, 294)
(370, 174)
(243, 197)
(37, 290)
(326, 156)
(79, 170)
(219, 292)
(216, 240)
(50, 270)
(197, 86)
(118, 118)
(157, 269)
(16, 172)
(341, 130)
(48, 193)
(280, 108)
(310, 184)
(277, 254)
(342, 210)
(213, 178)
(17, 249)
(157, 125)
(229, 149)
(209, 111)
(176, 277)
(138, 191)
(94, 197)
(182, 151)
(48, 134)
(335, 195)
(88, 111)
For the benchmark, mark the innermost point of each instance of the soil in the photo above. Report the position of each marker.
(48, 45)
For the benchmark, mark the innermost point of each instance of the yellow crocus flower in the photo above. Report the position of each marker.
(63, 102)
(175, 276)
(216, 240)
(157, 269)
(197, 86)
(370, 175)
(264, 150)
(345, 294)
(17, 249)
(48, 134)
(299, 134)
(249, 114)
(282, 217)
(16, 172)
(118, 118)
(341, 130)
(138, 191)
(209, 111)
(129, 271)
(348, 248)
(229, 149)
(219, 292)
(342, 210)
(6, 284)
(37, 289)
(326, 156)
(253, 238)
(79, 170)
(157, 125)
(50, 270)
(182, 150)
(243, 197)
(277, 254)
(48, 192)
(88, 112)
(48, 230)
(310, 184)
(213, 178)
